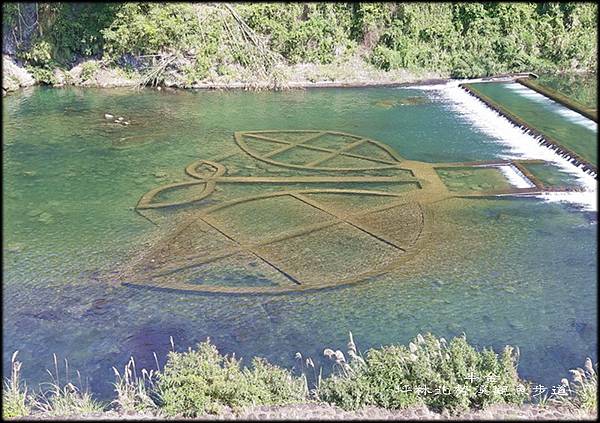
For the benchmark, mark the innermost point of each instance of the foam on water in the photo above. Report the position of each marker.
(521, 144)
(567, 113)
(586, 199)
(515, 177)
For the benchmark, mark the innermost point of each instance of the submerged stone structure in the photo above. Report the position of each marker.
(585, 162)
(313, 210)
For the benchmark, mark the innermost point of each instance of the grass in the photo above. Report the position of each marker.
(64, 400)
(14, 393)
(450, 376)
(584, 389)
(135, 394)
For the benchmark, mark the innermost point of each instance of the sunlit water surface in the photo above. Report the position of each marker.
(71, 180)
(580, 87)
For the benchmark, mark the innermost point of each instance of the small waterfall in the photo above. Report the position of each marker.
(524, 143)
(516, 177)
(539, 137)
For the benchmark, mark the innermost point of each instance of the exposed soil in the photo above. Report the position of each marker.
(327, 412)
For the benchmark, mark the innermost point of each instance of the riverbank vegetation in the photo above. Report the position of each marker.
(445, 376)
(186, 44)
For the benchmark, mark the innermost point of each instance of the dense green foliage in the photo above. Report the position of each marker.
(474, 39)
(202, 381)
(148, 28)
(303, 32)
(451, 376)
(460, 39)
(65, 31)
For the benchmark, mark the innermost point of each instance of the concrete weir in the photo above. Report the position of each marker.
(543, 139)
(559, 98)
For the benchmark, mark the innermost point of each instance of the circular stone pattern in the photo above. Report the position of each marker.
(285, 241)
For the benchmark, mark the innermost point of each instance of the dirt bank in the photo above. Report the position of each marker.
(326, 412)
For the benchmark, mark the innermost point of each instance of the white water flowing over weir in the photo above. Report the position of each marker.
(521, 144)
(515, 177)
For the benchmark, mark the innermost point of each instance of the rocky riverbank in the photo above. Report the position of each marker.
(14, 76)
(327, 412)
(351, 73)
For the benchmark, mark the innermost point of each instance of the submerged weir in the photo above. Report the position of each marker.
(578, 145)
(588, 112)
(522, 142)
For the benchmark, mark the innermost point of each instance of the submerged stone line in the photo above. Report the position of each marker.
(348, 220)
(283, 272)
(388, 227)
(356, 156)
(239, 138)
(253, 252)
(294, 144)
(337, 153)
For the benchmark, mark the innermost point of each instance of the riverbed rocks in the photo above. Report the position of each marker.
(45, 218)
(14, 247)
(118, 120)
(103, 77)
(408, 101)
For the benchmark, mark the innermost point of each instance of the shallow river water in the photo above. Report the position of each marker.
(517, 271)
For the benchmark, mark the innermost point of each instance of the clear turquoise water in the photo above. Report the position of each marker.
(580, 87)
(505, 271)
(568, 128)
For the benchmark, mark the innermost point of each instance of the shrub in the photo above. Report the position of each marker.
(196, 71)
(386, 58)
(150, 28)
(203, 381)
(480, 39)
(303, 32)
(40, 54)
(89, 69)
(42, 74)
(74, 29)
(452, 376)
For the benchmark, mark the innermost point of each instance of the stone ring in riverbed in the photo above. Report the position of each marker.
(336, 209)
